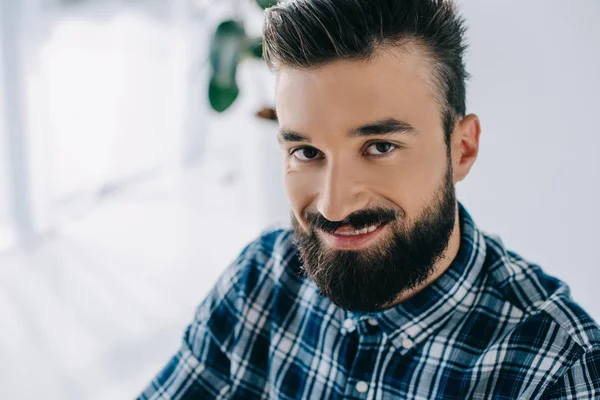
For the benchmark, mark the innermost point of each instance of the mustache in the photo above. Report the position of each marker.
(357, 220)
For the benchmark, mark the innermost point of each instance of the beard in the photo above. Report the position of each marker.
(368, 279)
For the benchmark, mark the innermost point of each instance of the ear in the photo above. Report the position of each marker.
(465, 145)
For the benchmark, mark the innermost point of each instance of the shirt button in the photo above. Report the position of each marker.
(349, 325)
(407, 343)
(372, 322)
(362, 387)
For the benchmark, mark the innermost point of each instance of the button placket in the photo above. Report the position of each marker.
(367, 360)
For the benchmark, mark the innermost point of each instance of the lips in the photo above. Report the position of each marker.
(348, 238)
(347, 231)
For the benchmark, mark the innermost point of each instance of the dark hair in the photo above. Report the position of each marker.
(311, 33)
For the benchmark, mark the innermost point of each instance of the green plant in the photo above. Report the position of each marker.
(230, 45)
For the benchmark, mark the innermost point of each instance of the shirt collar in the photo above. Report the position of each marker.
(453, 292)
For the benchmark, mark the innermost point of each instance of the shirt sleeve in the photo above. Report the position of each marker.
(201, 369)
(580, 382)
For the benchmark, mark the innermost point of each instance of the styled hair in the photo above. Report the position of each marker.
(312, 33)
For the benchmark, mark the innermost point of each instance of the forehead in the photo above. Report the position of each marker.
(344, 94)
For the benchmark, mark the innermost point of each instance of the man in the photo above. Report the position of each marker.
(385, 288)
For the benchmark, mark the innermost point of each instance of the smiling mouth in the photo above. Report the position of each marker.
(347, 231)
(348, 238)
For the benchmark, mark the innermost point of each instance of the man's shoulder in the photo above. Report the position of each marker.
(261, 265)
(541, 300)
(541, 333)
(274, 249)
(246, 289)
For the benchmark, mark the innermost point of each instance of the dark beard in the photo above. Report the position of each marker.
(368, 279)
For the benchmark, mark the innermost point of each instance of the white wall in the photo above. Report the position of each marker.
(535, 85)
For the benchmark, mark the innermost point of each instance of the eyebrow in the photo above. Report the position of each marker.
(386, 126)
(285, 135)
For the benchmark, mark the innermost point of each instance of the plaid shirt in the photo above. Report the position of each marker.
(492, 327)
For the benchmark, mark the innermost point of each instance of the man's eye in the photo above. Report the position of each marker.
(380, 148)
(306, 153)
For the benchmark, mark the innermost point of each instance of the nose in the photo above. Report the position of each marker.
(342, 193)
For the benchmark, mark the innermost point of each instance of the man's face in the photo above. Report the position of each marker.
(367, 174)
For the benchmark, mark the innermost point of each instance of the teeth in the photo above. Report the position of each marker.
(353, 233)
(363, 231)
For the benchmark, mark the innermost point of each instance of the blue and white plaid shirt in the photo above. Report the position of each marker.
(492, 327)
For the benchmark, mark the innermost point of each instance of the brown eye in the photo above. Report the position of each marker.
(380, 148)
(306, 153)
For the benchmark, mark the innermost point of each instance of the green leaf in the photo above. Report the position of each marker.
(221, 97)
(227, 48)
(266, 3)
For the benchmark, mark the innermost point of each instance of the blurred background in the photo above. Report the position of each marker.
(133, 169)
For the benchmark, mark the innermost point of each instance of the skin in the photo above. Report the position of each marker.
(331, 169)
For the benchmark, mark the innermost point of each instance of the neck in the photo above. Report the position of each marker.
(440, 267)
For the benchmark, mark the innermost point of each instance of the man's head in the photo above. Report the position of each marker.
(371, 105)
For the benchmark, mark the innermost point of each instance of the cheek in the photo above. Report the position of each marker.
(411, 180)
(301, 188)
(426, 178)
